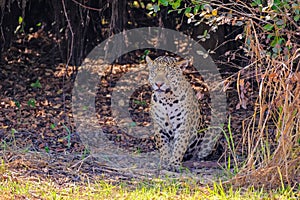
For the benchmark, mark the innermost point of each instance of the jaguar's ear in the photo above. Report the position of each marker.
(185, 63)
(148, 60)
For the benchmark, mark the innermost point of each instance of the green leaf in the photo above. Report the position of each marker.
(143, 103)
(256, 3)
(37, 84)
(20, 20)
(270, 36)
(277, 2)
(176, 4)
(132, 124)
(268, 27)
(146, 52)
(31, 102)
(297, 11)
(179, 11)
(196, 9)
(47, 149)
(187, 10)
(277, 41)
(164, 2)
(17, 103)
(156, 8)
(281, 41)
(52, 126)
(143, 57)
(274, 42)
(13, 131)
(296, 18)
(149, 7)
(39, 24)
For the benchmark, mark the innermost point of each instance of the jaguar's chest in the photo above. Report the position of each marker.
(169, 106)
(169, 100)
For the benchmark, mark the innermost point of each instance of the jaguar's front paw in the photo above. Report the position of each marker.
(175, 167)
(170, 167)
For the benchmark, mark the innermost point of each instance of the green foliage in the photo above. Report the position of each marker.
(20, 27)
(17, 103)
(68, 137)
(231, 145)
(143, 57)
(142, 103)
(85, 153)
(52, 126)
(133, 124)
(47, 149)
(256, 3)
(20, 20)
(278, 21)
(13, 132)
(36, 84)
(164, 2)
(31, 102)
(155, 7)
(268, 27)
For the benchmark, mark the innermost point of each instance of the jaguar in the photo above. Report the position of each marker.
(176, 114)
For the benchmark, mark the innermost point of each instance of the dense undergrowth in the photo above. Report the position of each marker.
(270, 46)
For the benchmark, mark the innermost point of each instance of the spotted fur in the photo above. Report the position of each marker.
(176, 114)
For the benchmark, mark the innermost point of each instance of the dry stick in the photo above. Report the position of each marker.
(88, 7)
(70, 56)
(80, 161)
(229, 8)
(257, 53)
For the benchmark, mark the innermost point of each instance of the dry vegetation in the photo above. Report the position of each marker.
(273, 132)
(271, 135)
(270, 47)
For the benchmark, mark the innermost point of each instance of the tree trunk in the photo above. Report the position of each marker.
(118, 22)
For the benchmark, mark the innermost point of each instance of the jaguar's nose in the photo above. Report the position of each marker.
(159, 84)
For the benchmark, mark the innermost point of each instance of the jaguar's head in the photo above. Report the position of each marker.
(165, 73)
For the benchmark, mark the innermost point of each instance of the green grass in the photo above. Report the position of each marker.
(14, 188)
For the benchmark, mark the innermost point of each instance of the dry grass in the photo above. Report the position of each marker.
(270, 44)
(272, 134)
